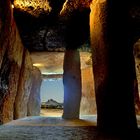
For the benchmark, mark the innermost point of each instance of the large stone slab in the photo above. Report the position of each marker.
(88, 102)
(34, 102)
(24, 87)
(72, 84)
(11, 50)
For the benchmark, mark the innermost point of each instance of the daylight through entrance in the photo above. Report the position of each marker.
(52, 94)
(52, 88)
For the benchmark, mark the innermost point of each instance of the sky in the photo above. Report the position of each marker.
(52, 90)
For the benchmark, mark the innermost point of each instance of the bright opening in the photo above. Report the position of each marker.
(52, 95)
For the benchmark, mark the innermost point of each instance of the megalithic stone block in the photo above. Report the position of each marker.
(88, 101)
(72, 84)
(24, 87)
(113, 67)
(11, 51)
(34, 102)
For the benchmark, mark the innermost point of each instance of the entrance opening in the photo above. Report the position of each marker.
(52, 97)
(52, 91)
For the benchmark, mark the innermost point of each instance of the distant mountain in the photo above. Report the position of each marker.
(52, 104)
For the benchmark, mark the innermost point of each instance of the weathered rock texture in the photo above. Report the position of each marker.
(88, 103)
(15, 67)
(137, 81)
(72, 84)
(33, 7)
(113, 66)
(11, 50)
(24, 87)
(34, 102)
(70, 5)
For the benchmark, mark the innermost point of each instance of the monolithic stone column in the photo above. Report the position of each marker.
(113, 66)
(34, 102)
(72, 84)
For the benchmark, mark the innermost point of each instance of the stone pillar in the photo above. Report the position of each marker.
(34, 102)
(72, 84)
(113, 66)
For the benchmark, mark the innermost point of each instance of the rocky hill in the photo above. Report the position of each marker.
(52, 104)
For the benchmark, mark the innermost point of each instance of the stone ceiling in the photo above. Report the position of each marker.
(46, 33)
(51, 63)
(43, 28)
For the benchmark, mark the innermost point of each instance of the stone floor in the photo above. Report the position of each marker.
(54, 128)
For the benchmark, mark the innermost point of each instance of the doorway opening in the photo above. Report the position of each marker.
(52, 91)
(52, 95)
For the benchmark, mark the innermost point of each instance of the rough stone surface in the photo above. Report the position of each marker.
(113, 66)
(72, 84)
(100, 65)
(33, 7)
(52, 62)
(34, 102)
(24, 87)
(70, 5)
(88, 103)
(137, 82)
(50, 32)
(5, 13)
(55, 128)
(11, 50)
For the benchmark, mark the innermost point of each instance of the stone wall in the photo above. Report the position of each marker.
(24, 86)
(11, 51)
(88, 103)
(137, 83)
(15, 67)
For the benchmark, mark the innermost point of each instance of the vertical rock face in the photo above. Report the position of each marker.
(33, 4)
(88, 103)
(71, 5)
(137, 81)
(113, 66)
(72, 84)
(34, 102)
(24, 87)
(100, 64)
(11, 50)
